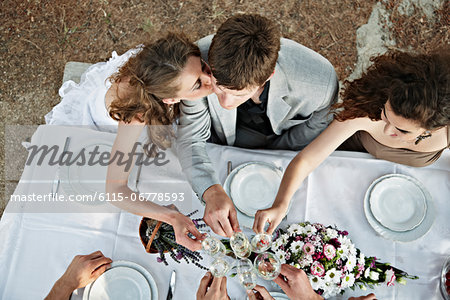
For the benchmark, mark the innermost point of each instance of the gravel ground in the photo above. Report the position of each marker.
(38, 37)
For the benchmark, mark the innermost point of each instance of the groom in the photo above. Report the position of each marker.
(270, 93)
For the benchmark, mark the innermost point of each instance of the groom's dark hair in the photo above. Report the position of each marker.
(244, 51)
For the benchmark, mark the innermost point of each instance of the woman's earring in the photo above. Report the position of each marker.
(423, 136)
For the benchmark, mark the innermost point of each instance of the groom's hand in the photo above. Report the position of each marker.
(220, 213)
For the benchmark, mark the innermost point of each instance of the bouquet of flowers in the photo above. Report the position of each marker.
(331, 260)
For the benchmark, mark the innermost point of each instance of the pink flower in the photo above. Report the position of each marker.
(390, 277)
(308, 248)
(317, 269)
(329, 251)
(360, 271)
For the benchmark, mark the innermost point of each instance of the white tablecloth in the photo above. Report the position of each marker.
(36, 248)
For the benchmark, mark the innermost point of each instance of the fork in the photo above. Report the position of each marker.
(57, 180)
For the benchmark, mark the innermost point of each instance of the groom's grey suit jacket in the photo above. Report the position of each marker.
(301, 91)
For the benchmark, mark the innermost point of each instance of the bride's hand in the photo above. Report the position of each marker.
(272, 215)
(182, 226)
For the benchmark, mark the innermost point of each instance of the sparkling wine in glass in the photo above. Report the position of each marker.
(261, 242)
(221, 265)
(213, 246)
(246, 274)
(267, 266)
(240, 245)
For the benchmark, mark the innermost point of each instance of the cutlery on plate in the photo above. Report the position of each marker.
(57, 180)
(229, 166)
(173, 278)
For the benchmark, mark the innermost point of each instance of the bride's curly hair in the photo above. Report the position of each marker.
(152, 75)
(416, 85)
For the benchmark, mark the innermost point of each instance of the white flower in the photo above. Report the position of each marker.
(351, 263)
(401, 280)
(316, 282)
(390, 277)
(361, 259)
(281, 256)
(305, 261)
(374, 275)
(333, 276)
(367, 273)
(348, 281)
(310, 230)
(284, 238)
(330, 290)
(296, 246)
(332, 233)
(294, 229)
(276, 245)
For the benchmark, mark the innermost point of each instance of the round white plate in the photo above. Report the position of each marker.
(150, 282)
(398, 203)
(401, 236)
(120, 283)
(85, 179)
(279, 296)
(255, 188)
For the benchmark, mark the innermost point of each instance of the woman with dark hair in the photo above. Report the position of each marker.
(141, 87)
(399, 110)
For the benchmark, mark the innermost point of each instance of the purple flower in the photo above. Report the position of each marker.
(179, 255)
(298, 238)
(158, 259)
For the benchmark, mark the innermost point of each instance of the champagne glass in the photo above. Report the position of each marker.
(246, 274)
(267, 266)
(213, 246)
(261, 242)
(240, 245)
(221, 265)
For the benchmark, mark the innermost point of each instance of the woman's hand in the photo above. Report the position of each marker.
(182, 226)
(272, 215)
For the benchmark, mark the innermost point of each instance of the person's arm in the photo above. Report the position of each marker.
(83, 270)
(194, 130)
(117, 180)
(300, 167)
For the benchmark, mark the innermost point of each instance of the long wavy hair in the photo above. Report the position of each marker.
(152, 75)
(416, 85)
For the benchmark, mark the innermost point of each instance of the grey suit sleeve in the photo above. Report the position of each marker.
(193, 132)
(299, 136)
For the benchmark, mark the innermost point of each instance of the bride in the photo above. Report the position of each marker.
(141, 87)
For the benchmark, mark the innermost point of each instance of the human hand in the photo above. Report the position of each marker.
(259, 293)
(220, 213)
(182, 226)
(295, 284)
(84, 269)
(212, 288)
(367, 297)
(272, 215)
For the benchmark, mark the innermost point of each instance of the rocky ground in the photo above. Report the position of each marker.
(38, 37)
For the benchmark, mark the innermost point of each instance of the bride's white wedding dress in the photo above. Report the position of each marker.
(84, 103)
